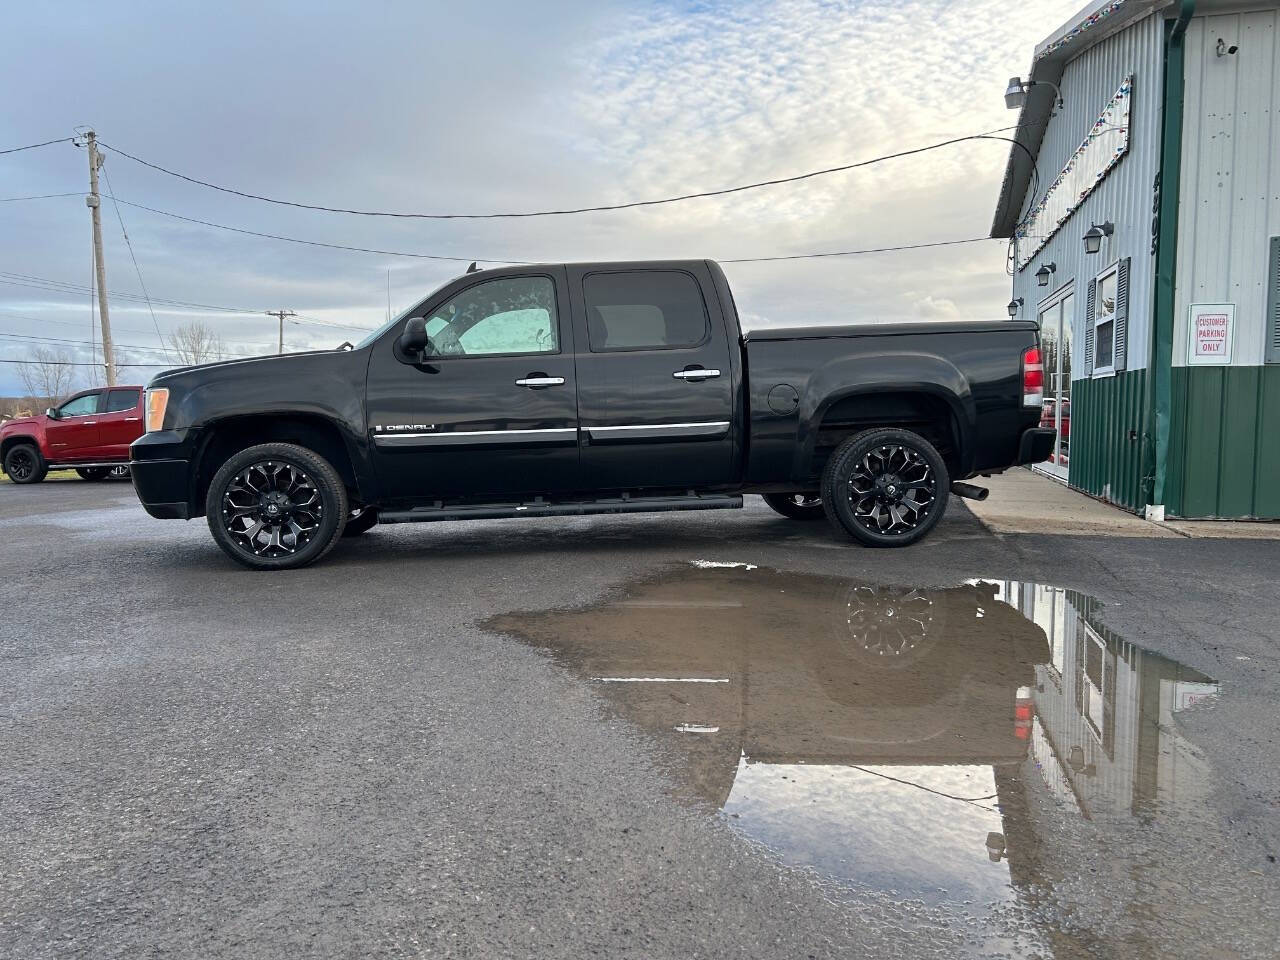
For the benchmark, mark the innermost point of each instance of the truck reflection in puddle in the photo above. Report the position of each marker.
(902, 739)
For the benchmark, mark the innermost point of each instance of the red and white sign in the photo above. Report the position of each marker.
(1210, 328)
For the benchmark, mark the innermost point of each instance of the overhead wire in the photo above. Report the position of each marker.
(32, 146)
(136, 269)
(597, 208)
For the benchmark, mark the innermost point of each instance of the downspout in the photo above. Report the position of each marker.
(1160, 382)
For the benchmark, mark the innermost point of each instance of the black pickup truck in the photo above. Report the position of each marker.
(589, 388)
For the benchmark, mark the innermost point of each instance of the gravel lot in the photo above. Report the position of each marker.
(366, 759)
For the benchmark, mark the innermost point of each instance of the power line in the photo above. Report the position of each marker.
(428, 256)
(318, 243)
(136, 269)
(599, 208)
(64, 286)
(42, 196)
(223, 354)
(32, 146)
(854, 253)
(76, 363)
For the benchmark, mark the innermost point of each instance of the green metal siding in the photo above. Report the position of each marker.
(1221, 463)
(1106, 430)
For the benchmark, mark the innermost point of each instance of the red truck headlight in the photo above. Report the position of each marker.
(157, 402)
(1032, 377)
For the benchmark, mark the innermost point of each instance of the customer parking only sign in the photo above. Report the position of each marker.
(1209, 332)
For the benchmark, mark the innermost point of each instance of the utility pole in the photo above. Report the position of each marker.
(281, 314)
(94, 203)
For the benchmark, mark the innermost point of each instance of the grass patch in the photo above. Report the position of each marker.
(52, 475)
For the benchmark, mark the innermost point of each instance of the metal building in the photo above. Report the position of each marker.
(1142, 205)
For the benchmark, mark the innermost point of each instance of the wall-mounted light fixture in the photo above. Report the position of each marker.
(1223, 50)
(1015, 95)
(1014, 306)
(1044, 273)
(1093, 236)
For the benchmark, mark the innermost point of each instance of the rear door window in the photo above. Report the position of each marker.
(120, 400)
(644, 310)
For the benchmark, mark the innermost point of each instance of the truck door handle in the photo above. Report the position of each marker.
(696, 374)
(534, 382)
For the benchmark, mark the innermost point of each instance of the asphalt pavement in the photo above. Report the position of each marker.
(489, 739)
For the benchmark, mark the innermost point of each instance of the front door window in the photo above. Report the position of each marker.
(80, 406)
(497, 318)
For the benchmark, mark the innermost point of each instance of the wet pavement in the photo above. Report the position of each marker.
(924, 743)
(676, 736)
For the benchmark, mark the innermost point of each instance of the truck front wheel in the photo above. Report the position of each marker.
(885, 487)
(24, 464)
(276, 506)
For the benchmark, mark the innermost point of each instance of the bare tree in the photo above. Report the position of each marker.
(196, 342)
(48, 376)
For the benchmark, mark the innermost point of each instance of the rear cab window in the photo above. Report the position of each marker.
(120, 400)
(644, 310)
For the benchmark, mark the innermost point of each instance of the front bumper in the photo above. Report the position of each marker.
(1036, 444)
(161, 476)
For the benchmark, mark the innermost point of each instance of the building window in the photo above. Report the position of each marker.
(1105, 301)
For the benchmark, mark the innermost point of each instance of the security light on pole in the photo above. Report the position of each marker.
(1015, 95)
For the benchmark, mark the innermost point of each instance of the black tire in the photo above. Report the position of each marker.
(796, 506)
(92, 473)
(361, 522)
(885, 487)
(23, 463)
(287, 494)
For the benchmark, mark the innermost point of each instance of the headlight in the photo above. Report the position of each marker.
(157, 401)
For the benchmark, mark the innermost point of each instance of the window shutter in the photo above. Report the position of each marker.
(1122, 313)
(1088, 328)
(1273, 303)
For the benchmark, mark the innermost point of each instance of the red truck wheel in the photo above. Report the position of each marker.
(24, 464)
(796, 506)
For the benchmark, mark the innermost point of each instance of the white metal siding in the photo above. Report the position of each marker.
(1229, 204)
(1124, 197)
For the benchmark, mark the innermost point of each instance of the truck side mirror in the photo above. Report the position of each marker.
(52, 413)
(414, 339)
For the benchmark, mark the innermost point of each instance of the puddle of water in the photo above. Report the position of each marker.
(924, 743)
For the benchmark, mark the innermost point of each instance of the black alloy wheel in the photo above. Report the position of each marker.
(92, 473)
(276, 506)
(885, 487)
(119, 472)
(24, 464)
(888, 627)
(796, 506)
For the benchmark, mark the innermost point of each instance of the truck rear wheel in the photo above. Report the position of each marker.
(24, 464)
(92, 473)
(796, 506)
(885, 487)
(276, 506)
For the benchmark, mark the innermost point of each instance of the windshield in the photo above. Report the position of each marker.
(398, 319)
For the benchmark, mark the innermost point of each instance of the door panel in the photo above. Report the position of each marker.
(75, 435)
(655, 393)
(491, 408)
(119, 424)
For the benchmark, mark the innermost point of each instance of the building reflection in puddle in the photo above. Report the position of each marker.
(891, 738)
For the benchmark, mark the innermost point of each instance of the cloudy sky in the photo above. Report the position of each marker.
(435, 107)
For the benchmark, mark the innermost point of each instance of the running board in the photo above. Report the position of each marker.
(58, 465)
(543, 508)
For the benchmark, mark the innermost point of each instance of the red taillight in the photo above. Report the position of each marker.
(1032, 377)
(1024, 711)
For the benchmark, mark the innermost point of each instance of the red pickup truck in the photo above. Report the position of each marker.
(90, 432)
